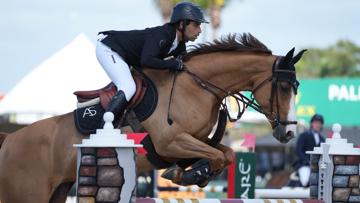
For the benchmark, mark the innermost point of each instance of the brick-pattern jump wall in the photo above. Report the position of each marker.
(345, 182)
(100, 176)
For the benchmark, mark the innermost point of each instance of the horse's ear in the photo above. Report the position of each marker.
(298, 56)
(289, 56)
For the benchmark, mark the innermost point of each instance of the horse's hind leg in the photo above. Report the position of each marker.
(13, 193)
(2, 137)
(60, 194)
(23, 177)
(143, 164)
(19, 188)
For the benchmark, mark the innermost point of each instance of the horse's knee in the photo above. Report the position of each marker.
(228, 153)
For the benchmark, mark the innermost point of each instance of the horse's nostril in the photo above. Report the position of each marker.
(290, 135)
(282, 135)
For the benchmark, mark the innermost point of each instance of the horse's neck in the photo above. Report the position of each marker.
(232, 71)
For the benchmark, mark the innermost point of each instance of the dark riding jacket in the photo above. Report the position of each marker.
(306, 142)
(146, 48)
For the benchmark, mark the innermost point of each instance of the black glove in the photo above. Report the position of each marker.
(180, 66)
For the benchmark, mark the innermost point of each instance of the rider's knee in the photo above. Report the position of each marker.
(132, 88)
(129, 89)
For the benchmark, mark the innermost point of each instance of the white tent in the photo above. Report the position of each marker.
(48, 89)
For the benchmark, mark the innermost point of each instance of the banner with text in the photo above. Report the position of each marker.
(337, 99)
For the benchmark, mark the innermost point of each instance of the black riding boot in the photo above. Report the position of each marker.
(117, 105)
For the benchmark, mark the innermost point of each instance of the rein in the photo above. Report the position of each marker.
(239, 97)
(243, 101)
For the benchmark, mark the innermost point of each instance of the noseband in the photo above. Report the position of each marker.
(243, 101)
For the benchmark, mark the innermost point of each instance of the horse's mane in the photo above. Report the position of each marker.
(231, 42)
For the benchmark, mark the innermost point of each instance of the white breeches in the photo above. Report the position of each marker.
(116, 68)
(304, 175)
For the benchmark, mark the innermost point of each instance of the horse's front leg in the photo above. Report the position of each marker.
(228, 153)
(143, 164)
(198, 167)
(185, 146)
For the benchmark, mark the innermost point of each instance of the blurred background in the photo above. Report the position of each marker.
(47, 51)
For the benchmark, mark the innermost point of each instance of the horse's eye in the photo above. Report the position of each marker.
(285, 87)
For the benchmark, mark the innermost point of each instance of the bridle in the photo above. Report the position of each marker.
(278, 74)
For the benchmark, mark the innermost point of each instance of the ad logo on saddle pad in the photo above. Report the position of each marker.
(89, 111)
(89, 118)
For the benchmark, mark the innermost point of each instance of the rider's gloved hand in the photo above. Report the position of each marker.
(180, 66)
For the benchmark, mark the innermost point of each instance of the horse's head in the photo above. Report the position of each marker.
(276, 96)
(244, 63)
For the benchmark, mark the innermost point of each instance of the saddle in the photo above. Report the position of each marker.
(106, 93)
(92, 105)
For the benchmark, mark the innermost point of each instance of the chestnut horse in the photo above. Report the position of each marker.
(38, 162)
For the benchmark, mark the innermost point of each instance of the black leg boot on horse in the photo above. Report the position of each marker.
(117, 105)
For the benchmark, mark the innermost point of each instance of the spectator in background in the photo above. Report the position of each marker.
(306, 142)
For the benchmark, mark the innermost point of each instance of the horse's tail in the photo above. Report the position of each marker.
(2, 137)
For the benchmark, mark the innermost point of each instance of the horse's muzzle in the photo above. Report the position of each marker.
(279, 132)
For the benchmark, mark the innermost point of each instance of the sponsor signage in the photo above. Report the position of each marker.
(337, 99)
(241, 177)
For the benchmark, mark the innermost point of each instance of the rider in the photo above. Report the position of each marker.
(117, 50)
(306, 142)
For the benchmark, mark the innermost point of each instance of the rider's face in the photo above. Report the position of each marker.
(317, 125)
(192, 30)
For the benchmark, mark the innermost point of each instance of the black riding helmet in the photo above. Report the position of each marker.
(187, 11)
(317, 117)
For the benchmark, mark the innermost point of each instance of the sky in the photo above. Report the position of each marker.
(34, 30)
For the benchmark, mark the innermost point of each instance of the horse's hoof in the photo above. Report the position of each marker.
(173, 173)
(203, 184)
